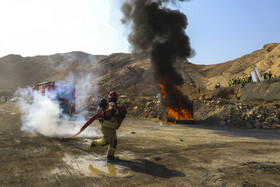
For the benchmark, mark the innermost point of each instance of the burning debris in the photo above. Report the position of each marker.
(161, 31)
(177, 106)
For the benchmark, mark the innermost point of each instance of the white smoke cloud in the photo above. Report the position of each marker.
(42, 113)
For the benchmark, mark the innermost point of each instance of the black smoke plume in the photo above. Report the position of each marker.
(160, 31)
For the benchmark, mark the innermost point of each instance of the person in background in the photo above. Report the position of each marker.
(269, 74)
(264, 75)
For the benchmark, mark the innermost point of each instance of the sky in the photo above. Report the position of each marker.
(219, 30)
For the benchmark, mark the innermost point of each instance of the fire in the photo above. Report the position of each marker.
(179, 114)
(175, 106)
(163, 89)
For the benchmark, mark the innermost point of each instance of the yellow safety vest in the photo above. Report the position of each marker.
(112, 122)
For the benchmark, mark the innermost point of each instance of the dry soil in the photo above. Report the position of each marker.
(152, 154)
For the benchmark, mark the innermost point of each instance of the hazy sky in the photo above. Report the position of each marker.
(219, 30)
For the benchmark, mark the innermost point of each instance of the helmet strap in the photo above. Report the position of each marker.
(113, 100)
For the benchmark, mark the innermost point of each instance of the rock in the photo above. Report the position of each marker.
(277, 105)
(266, 126)
(123, 96)
(248, 125)
(157, 158)
(277, 126)
(222, 123)
(275, 120)
(258, 125)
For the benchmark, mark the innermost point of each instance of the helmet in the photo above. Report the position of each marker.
(113, 95)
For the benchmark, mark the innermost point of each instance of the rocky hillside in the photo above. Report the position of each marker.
(130, 74)
(266, 59)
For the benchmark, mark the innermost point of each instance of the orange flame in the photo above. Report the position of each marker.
(174, 107)
(163, 89)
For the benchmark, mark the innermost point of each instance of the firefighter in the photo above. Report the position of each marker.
(108, 127)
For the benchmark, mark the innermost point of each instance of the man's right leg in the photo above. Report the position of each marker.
(99, 142)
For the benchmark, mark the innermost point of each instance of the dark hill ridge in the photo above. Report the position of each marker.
(129, 73)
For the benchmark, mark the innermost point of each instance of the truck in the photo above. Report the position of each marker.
(59, 92)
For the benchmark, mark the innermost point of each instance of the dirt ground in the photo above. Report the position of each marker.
(151, 154)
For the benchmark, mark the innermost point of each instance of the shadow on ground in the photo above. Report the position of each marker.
(149, 168)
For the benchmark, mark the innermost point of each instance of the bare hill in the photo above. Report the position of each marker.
(17, 71)
(266, 59)
(129, 73)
